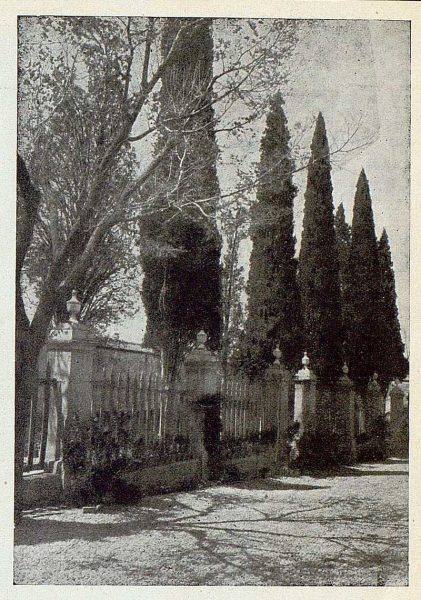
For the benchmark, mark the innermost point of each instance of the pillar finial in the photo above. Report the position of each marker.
(304, 373)
(73, 308)
(201, 339)
(277, 353)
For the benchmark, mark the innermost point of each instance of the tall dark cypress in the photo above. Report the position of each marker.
(180, 249)
(393, 361)
(274, 314)
(364, 294)
(319, 265)
(343, 240)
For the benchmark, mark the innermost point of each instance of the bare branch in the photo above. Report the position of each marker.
(147, 53)
(127, 74)
(142, 135)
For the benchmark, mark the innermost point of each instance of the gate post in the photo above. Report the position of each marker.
(280, 380)
(70, 352)
(374, 402)
(202, 376)
(399, 414)
(305, 396)
(345, 406)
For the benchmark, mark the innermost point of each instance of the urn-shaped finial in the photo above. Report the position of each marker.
(277, 353)
(201, 339)
(73, 308)
(304, 373)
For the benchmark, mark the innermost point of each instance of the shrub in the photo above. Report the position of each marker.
(400, 441)
(318, 449)
(252, 443)
(112, 488)
(374, 445)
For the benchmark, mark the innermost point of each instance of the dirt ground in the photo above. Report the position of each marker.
(342, 530)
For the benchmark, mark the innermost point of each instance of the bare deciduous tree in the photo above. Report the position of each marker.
(87, 117)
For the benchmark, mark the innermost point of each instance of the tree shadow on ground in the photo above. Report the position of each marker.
(253, 546)
(356, 471)
(37, 526)
(259, 545)
(360, 473)
(274, 484)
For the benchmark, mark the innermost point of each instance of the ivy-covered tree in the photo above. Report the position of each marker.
(319, 265)
(234, 226)
(343, 240)
(181, 253)
(364, 293)
(273, 299)
(393, 361)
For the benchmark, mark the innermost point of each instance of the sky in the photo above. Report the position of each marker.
(357, 73)
(353, 69)
(362, 68)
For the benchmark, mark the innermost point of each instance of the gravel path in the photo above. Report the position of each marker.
(343, 530)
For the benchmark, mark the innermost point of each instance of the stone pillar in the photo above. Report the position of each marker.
(280, 380)
(203, 380)
(202, 368)
(398, 421)
(345, 406)
(374, 403)
(305, 396)
(359, 415)
(70, 352)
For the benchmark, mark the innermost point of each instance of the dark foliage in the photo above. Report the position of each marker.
(234, 228)
(274, 314)
(180, 248)
(101, 452)
(399, 443)
(363, 304)
(393, 363)
(319, 265)
(253, 443)
(374, 445)
(343, 240)
(318, 450)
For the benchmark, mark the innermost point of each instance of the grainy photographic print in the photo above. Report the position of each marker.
(212, 302)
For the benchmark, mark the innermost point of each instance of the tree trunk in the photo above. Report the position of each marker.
(27, 351)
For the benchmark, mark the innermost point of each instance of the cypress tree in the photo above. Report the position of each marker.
(343, 240)
(180, 249)
(319, 265)
(393, 361)
(364, 294)
(274, 314)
